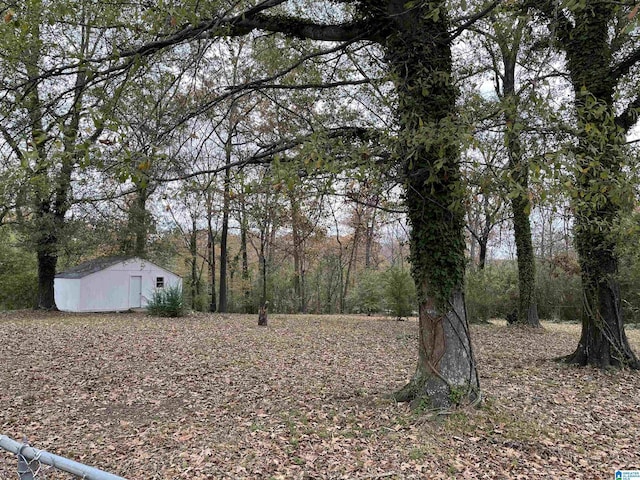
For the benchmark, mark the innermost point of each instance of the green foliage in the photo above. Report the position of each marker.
(399, 292)
(629, 267)
(18, 274)
(493, 292)
(200, 303)
(367, 296)
(166, 302)
(559, 288)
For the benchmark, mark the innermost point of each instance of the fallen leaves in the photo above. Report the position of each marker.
(217, 397)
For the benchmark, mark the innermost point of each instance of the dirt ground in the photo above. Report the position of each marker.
(214, 396)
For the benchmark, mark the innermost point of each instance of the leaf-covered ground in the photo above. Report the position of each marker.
(219, 397)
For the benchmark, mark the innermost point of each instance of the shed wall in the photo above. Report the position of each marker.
(67, 294)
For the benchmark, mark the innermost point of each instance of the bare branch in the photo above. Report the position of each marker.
(470, 20)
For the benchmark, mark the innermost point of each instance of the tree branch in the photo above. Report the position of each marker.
(268, 154)
(559, 22)
(250, 20)
(629, 116)
(313, 86)
(470, 20)
(625, 65)
(11, 142)
(254, 85)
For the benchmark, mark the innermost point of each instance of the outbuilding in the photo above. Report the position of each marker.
(110, 284)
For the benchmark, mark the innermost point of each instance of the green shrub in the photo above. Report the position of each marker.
(491, 292)
(166, 302)
(399, 292)
(18, 273)
(366, 296)
(559, 288)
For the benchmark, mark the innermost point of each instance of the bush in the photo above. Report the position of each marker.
(399, 292)
(18, 273)
(559, 288)
(366, 297)
(491, 292)
(166, 302)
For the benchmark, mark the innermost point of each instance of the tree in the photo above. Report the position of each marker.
(516, 64)
(484, 206)
(51, 122)
(508, 33)
(601, 50)
(416, 40)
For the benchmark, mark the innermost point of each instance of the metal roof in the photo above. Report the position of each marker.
(98, 264)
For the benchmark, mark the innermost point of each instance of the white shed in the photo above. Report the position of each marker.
(110, 284)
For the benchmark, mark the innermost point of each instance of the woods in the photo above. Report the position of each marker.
(300, 158)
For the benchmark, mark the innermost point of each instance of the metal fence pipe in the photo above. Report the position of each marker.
(61, 463)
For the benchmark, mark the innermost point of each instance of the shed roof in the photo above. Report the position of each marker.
(96, 265)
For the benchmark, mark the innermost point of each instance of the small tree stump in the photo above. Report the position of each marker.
(262, 315)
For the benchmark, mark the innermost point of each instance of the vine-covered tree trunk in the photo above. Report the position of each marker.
(597, 198)
(520, 205)
(47, 255)
(419, 54)
(527, 303)
(603, 342)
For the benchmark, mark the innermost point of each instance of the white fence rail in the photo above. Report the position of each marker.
(30, 461)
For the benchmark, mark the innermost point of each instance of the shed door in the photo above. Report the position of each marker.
(135, 292)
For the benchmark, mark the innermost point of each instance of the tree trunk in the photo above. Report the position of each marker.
(262, 316)
(244, 227)
(596, 199)
(298, 253)
(211, 251)
(482, 255)
(603, 342)
(193, 250)
(262, 258)
(370, 233)
(520, 205)
(143, 226)
(419, 52)
(527, 303)
(224, 254)
(47, 246)
(135, 242)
